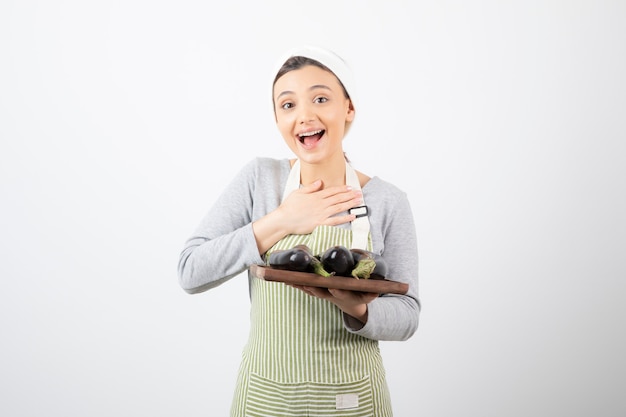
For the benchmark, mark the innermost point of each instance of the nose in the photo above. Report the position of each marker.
(306, 114)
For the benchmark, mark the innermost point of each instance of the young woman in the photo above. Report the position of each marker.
(311, 351)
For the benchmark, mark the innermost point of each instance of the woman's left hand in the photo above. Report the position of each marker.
(353, 303)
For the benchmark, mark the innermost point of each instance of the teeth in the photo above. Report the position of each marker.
(309, 133)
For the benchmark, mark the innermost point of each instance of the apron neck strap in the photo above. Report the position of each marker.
(360, 225)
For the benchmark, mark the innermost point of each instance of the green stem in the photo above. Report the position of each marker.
(364, 268)
(318, 268)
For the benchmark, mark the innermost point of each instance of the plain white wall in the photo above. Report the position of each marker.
(120, 121)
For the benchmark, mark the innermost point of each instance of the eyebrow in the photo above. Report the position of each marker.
(313, 87)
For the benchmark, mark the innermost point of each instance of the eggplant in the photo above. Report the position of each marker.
(368, 265)
(294, 259)
(338, 260)
(299, 258)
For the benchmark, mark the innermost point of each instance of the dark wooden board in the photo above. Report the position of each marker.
(380, 286)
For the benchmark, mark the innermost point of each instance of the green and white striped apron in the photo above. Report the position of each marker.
(300, 360)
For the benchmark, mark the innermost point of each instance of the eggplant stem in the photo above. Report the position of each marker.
(318, 268)
(364, 268)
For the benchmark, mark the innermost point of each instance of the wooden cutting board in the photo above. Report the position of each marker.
(379, 286)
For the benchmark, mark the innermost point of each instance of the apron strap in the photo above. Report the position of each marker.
(293, 181)
(360, 225)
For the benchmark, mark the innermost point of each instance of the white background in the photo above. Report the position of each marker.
(120, 121)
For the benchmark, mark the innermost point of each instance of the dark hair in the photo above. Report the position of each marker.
(297, 62)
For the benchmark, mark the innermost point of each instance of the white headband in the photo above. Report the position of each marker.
(330, 60)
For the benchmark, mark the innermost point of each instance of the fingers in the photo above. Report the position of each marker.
(334, 195)
(353, 296)
(341, 204)
(311, 206)
(340, 194)
(318, 292)
(339, 199)
(336, 294)
(337, 220)
(312, 187)
(312, 291)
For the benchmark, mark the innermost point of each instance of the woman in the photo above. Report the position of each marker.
(311, 351)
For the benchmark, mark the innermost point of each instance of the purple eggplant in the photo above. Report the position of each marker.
(368, 265)
(338, 260)
(294, 259)
(299, 258)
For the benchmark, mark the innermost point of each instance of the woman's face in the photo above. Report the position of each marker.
(311, 113)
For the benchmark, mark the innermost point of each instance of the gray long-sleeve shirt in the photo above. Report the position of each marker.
(223, 245)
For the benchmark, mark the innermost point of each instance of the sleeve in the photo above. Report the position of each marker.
(395, 317)
(223, 245)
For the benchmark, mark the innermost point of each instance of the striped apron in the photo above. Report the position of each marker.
(300, 360)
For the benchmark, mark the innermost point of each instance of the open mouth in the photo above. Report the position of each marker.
(309, 139)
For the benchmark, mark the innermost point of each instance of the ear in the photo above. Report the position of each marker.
(351, 113)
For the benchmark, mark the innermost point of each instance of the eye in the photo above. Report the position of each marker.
(286, 106)
(320, 99)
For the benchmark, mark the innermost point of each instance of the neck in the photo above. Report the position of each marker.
(331, 172)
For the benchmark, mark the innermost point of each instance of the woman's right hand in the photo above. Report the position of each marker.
(303, 210)
(312, 206)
